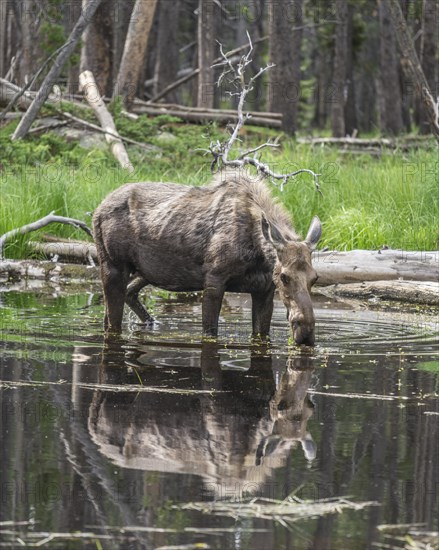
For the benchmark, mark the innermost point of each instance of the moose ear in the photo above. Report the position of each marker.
(314, 233)
(272, 234)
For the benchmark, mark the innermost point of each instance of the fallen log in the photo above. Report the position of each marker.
(360, 143)
(73, 250)
(412, 292)
(12, 271)
(204, 116)
(38, 224)
(94, 99)
(382, 265)
(332, 267)
(9, 91)
(176, 106)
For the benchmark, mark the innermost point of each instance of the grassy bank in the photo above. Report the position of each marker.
(366, 202)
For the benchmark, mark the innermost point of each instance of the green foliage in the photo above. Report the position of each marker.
(53, 37)
(366, 202)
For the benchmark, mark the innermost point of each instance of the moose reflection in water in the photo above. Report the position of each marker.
(233, 437)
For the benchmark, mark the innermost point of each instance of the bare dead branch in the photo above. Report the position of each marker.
(234, 75)
(50, 218)
(31, 82)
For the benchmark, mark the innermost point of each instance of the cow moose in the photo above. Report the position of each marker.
(228, 236)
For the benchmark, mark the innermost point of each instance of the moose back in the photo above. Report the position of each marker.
(229, 236)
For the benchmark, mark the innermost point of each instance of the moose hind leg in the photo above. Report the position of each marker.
(262, 311)
(114, 281)
(132, 299)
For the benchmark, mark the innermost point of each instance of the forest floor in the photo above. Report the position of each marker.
(369, 199)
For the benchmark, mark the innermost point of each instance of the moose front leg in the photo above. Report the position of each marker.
(212, 299)
(262, 311)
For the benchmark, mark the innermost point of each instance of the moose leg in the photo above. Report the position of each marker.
(262, 311)
(132, 299)
(114, 281)
(212, 298)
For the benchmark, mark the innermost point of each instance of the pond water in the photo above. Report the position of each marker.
(136, 442)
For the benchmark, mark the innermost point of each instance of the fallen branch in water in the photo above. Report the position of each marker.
(50, 218)
(235, 75)
(284, 512)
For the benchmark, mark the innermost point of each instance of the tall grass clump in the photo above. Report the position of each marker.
(367, 202)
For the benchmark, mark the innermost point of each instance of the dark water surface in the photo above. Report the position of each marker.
(114, 440)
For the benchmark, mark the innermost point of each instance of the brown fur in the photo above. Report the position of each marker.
(227, 236)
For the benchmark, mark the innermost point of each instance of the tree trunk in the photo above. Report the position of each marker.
(413, 66)
(28, 12)
(55, 71)
(338, 97)
(391, 113)
(429, 50)
(71, 16)
(4, 14)
(122, 12)
(350, 114)
(206, 53)
(166, 66)
(366, 89)
(134, 51)
(97, 48)
(284, 52)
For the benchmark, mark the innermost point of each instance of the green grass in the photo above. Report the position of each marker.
(366, 202)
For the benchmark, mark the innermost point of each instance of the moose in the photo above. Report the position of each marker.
(228, 236)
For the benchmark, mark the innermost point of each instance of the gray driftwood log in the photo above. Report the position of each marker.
(406, 276)
(383, 265)
(412, 292)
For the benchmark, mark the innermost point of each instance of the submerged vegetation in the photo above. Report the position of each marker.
(367, 202)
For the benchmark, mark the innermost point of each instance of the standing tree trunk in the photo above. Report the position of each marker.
(133, 56)
(429, 51)
(4, 14)
(97, 49)
(351, 124)
(166, 66)
(70, 17)
(391, 112)
(340, 70)
(206, 53)
(122, 14)
(28, 11)
(413, 65)
(284, 52)
(53, 74)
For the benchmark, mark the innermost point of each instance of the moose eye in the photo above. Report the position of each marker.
(284, 278)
